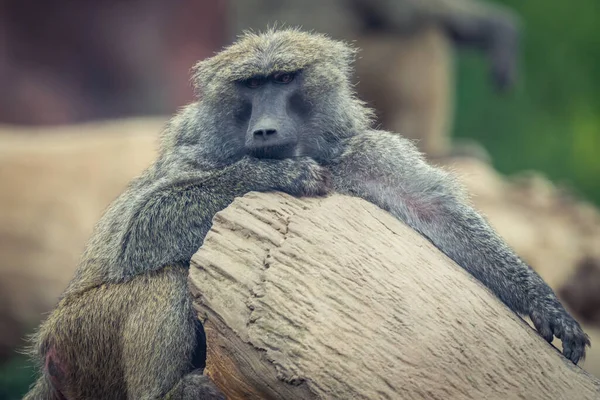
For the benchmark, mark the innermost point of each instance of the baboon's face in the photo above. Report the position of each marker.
(280, 94)
(272, 114)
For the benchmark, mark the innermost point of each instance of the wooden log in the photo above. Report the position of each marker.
(334, 298)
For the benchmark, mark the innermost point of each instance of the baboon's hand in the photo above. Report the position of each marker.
(554, 322)
(303, 177)
(205, 389)
(195, 386)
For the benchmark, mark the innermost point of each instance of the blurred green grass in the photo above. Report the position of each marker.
(551, 120)
(15, 377)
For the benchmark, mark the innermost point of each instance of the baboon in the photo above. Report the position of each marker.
(405, 71)
(276, 111)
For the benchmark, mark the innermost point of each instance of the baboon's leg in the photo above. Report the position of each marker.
(164, 346)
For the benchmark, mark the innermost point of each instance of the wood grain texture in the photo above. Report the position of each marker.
(335, 298)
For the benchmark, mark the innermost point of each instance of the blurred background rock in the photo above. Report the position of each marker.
(87, 85)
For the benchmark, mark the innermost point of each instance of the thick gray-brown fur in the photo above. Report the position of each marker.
(125, 327)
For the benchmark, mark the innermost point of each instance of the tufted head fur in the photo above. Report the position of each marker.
(285, 50)
(326, 69)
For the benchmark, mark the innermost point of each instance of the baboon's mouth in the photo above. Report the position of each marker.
(275, 152)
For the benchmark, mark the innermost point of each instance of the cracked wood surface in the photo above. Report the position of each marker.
(335, 298)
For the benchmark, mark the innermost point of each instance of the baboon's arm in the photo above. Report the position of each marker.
(467, 17)
(168, 223)
(470, 23)
(386, 170)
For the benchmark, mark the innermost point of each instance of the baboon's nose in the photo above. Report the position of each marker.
(264, 133)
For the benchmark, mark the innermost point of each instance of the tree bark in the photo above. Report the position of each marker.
(335, 298)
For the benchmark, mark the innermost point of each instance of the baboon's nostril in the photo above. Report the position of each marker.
(264, 133)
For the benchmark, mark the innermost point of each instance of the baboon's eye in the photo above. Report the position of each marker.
(253, 83)
(283, 77)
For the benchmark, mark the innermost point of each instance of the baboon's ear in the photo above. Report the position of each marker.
(344, 56)
(202, 73)
(348, 52)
